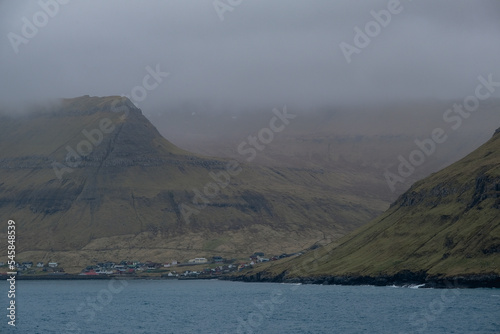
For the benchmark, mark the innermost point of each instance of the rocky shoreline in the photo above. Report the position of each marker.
(402, 279)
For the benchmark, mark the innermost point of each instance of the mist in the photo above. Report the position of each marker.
(252, 56)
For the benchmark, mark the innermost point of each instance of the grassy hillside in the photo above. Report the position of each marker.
(446, 225)
(124, 199)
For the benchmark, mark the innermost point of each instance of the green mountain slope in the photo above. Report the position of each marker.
(446, 225)
(126, 191)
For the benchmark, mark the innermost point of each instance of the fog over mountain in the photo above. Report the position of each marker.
(329, 142)
(249, 55)
(366, 79)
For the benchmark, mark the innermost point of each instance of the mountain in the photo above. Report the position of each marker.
(366, 139)
(445, 226)
(90, 178)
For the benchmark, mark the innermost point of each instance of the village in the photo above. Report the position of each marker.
(198, 267)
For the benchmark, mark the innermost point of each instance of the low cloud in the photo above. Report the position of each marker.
(261, 55)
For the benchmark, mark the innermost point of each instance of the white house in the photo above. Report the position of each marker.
(39, 264)
(28, 264)
(53, 264)
(119, 267)
(200, 260)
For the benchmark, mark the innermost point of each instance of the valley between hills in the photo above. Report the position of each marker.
(125, 198)
(134, 195)
(444, 231)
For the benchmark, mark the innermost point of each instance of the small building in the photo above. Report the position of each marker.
(53, 264)
(39, 264)
(103, 272)
(108, 265)
(27, 264)
(200, 260)
(217, 259)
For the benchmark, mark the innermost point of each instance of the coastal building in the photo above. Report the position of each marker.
(27, 264)
(217, 259)
(200, 260)
(119, 267)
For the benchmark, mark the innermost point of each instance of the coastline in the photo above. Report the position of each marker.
(400, 279)
(100, 277)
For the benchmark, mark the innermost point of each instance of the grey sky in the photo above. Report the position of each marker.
(263, 53)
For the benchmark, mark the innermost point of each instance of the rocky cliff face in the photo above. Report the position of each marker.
(480, 189)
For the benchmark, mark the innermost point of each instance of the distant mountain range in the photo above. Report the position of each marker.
(445, 226)
(91, 179)
(365, 139)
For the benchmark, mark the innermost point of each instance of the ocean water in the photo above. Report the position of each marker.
(211, 306)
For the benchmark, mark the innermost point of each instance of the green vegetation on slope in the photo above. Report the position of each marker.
(446, 225)
(123, 199)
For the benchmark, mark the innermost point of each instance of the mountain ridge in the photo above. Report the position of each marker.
(445, 226)
(119, 196)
